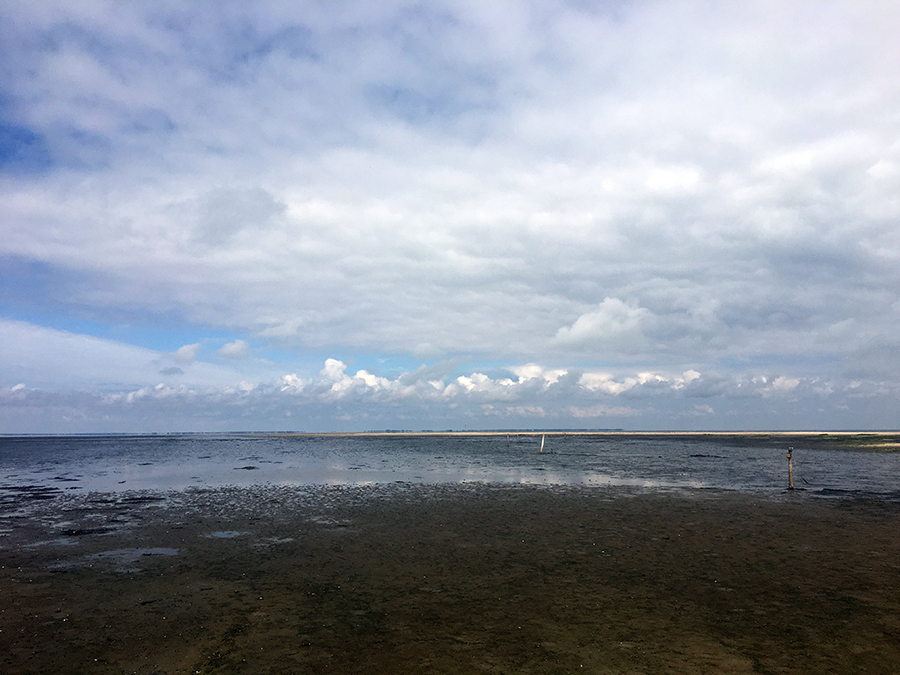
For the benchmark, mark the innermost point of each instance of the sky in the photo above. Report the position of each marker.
(350, 216)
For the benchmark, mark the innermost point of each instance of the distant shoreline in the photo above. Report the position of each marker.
(563, 432)
(868, 441)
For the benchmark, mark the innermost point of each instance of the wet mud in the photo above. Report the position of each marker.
(447, 579)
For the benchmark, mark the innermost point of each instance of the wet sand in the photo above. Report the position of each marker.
(447, 579)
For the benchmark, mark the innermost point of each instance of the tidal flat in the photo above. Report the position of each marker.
(411, 578)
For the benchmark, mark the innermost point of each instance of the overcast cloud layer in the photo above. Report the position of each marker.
(368, 215)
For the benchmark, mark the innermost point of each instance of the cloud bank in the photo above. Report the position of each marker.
(638, 214)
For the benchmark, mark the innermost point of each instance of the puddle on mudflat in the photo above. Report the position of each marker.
(61, 541)
(326, 520)
(273, 541)
(122, 559)
(225, 534)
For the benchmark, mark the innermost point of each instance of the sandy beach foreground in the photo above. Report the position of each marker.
(447, 579)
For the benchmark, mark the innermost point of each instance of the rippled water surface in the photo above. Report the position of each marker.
(118, 463)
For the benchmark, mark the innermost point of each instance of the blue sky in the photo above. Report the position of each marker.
(346, 216)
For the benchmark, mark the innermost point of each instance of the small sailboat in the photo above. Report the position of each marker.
(542, 443)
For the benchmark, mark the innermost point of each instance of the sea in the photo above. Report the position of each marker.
(86, 464)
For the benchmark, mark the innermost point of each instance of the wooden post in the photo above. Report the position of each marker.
(790, 468)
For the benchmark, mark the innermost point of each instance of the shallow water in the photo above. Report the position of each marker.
(39, 467)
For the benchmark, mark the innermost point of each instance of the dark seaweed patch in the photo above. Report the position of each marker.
(146, 499)
(30, 492)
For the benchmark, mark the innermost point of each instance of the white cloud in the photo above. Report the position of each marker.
(601, 410)
(687, 377)
(673, 180)
(38, 357)
(334, 397)
(292, 383)
(607, 383)
(783, 383)
(238, 349)
(42, 358)
(186, 353)
(534, 371)
(604, 382)
(341, 384)
(526, 411)
(474, 381)
(613, 324)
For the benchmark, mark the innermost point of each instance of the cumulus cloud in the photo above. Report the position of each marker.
(186, 353)
(605, 382)
(333, 397)
(292, 383)
(342, 384)
(238, 349)
(534, 371)
(608, 383)
(783, 383)
(613, 324)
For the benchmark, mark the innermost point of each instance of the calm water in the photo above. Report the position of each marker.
(119, 463)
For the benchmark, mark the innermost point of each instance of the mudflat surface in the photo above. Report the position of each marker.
(447, 579)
